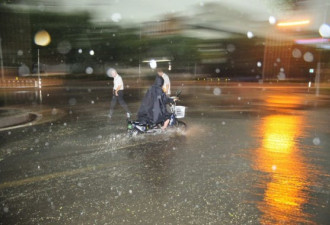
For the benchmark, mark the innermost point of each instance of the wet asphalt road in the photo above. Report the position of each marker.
(252, 154)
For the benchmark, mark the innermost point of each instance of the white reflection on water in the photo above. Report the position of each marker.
(282, 158)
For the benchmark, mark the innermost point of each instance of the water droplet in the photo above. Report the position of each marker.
(19, 52)
(116, 17)
(308, 57)
(72, 101)
(272, 20)
(5, 209)
(249, 34)
(296, 53)
(54, 111)
(216, 91)
(316, 141)
(324, 30)
(64, 47)
(23, 70)
(231, 48)
(89, 70)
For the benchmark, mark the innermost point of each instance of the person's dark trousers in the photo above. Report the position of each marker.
(121, 101)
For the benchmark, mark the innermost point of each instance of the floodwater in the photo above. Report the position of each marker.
(252, 154)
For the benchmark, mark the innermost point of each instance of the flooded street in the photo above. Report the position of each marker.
(252, 154)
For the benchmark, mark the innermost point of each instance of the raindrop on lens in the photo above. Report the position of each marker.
(41, 7)
(324, 30)
(89, 70)
(54, 111)
(296, 53)
(316, 141)
(64, 47)
(249, 34)
(231, 48)
(274, 167)
(72, 101)
(216, 91)
(308, 57)
(116, 17)
(19, 52)
(272, 20)
(23, 70)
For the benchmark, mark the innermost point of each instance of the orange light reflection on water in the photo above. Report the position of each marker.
(279, 155)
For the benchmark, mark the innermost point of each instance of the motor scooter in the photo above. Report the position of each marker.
(177, 112)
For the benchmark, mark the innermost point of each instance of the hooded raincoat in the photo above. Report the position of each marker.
(153, 107)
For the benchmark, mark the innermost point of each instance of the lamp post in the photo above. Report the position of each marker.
(41, 38)
(38, 71)
(1, 61)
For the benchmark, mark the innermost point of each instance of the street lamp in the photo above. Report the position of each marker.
(1, 62)
(41, 38)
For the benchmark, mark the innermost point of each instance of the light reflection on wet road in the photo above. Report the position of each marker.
(250, 156)
(291, 175)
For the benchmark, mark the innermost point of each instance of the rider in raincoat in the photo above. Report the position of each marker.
(153, 107)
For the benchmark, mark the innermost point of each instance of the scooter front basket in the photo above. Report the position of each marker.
(180, 111)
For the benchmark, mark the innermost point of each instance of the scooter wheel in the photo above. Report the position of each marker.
(132, 133)
(181, 125)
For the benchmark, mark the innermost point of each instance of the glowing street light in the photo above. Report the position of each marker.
(293, 23)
